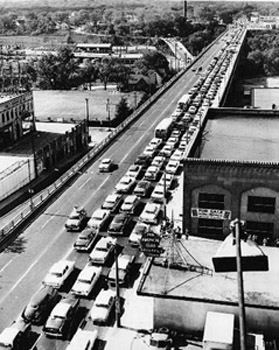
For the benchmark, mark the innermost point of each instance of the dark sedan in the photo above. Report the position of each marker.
(142, 189)
(86, 239)
(118, 224)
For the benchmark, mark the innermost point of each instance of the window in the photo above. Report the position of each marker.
(211, 201)
(261, 204)
(259, 228)
(210, 227)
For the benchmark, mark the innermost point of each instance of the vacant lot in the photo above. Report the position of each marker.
(71, 105)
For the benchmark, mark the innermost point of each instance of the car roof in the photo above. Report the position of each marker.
(60, 265)
(63, 307)
(8, 335)
(88, 271)
(104, 296)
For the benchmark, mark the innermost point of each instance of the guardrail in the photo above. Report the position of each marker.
(38, 201)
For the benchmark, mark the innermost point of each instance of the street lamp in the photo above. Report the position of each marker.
(108, 104)
(117, 296)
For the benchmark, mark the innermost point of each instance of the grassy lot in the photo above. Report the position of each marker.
(67, 105)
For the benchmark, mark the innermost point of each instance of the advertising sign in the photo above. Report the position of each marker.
(150, 244)
(210, 214)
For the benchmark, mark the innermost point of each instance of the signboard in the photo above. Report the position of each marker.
(214, 214)
(150, 244)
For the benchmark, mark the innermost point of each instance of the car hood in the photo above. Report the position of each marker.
(126, 207)
(99, 313)
(82, 242)
(52, 280)
(135, 237)
(80, 287)
(54, 323)
(115, 226)
(72, 222)
(98, 255)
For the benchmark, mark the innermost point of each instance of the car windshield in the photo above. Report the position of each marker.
(74, 216)
(106, 161)
(125, 181)
(57, 274)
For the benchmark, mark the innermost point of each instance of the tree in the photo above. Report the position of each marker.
(59, 72)
(122, 110)
(153, 61)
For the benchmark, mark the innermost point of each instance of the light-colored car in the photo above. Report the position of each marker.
(125, 264)
(159, 341)
(182, 145)
(152, 173)
(103, 306)
(172, 166)
(106, 165)
(134, 171)
(159, 161)
(98, 218)
(112, 202)
(135, 236)
(83, 340)
(177, 155)
(86, 239)
(86, 280)
(102, 250)
(58, 273)
(172, 141)
(130, 204)
(155, 142)
(166, 151)
(150, 213)
(125, 184)
(192, 109)
(77, 219)
(57, 325)
(149, 150)
(166, 180)
(159, 193)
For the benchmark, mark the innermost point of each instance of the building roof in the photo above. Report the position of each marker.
(241, 138)
(202, 283)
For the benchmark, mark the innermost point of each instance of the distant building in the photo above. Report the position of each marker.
(14, 110)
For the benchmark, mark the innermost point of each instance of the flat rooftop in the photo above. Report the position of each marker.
(241, 138)
(260, 288)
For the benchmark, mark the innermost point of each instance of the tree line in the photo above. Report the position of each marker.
(260, 54)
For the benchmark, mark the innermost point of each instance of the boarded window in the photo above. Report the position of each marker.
(259, 228)
(211, 201)
(261, 204)
(210, 227)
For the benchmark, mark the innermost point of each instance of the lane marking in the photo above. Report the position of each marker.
(8, 263)
(31, 266)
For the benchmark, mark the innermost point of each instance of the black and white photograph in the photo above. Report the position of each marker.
(139, 178)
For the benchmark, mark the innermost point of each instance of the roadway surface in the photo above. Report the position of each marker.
(25, 263)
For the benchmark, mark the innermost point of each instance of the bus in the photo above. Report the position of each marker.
(184, 102)
(163, 129)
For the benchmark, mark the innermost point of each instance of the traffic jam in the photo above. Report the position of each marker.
(136, 211)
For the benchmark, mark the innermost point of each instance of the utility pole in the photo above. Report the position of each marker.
(135, 100)
(240, 288)
(108, 110)
(165, 198)
(117, 296)
(33, 147)
(30, 190)
(87, 118)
